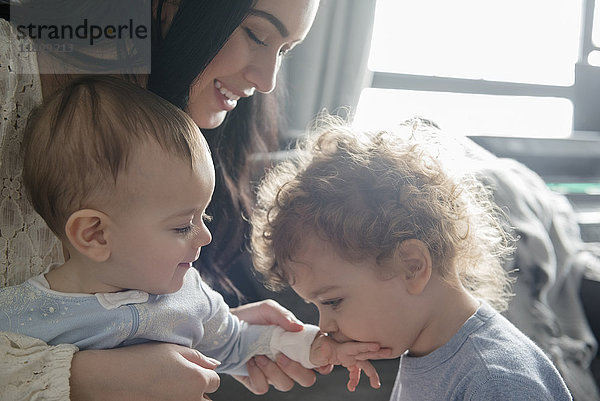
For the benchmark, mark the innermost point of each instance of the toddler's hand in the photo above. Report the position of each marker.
(352, 355)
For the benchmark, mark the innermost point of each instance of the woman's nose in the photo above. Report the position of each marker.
(262, 72)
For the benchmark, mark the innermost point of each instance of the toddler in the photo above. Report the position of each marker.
(393, 250)
(123, 178)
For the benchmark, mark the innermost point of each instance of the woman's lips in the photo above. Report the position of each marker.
(227, 97)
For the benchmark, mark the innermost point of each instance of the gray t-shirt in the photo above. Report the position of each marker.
(488, 359)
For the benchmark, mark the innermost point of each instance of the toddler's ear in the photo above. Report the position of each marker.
(85, 231)
(415, 260)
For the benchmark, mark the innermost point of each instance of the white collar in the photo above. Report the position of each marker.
(108, 300)
(112, 300)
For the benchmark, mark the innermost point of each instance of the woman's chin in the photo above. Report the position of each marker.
(212, 120)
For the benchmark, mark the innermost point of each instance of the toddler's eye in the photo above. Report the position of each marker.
(183, 230)
(333, 303)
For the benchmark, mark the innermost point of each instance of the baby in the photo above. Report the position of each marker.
(124, 179)
(394, 251)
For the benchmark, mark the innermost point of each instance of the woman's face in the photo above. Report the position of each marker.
(250, 59)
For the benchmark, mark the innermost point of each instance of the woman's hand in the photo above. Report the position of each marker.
(283, 372)
(268, 312)
(151, 371)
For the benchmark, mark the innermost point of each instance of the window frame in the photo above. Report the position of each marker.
(584, 93)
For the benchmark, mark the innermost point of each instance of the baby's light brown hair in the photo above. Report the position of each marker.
(80, 139)
(366, 193)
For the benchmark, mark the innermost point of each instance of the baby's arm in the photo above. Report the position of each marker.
(352, 355)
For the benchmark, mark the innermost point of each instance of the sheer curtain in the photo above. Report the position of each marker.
(329, 69)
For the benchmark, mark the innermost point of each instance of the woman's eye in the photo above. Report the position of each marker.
(253, 37)
(333, 303)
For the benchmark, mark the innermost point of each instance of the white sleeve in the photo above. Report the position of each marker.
(295, 345)
(32, 370)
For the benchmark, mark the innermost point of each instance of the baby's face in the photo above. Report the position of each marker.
(158, 225)
(354, 302)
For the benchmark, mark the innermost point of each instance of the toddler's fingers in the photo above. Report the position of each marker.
(383, 353)
(355, 348)
(353, 377)
(371, 373)
(325, 370)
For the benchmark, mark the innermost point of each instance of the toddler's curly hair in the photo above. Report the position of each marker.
(366, 193)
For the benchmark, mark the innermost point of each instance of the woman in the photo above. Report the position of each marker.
(243, 43)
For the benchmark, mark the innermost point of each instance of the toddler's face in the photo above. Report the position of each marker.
(158, 221)
(354, 301)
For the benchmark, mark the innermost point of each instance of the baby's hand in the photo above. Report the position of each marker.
(352, 355)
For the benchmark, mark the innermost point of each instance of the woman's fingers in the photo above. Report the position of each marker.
(144, 372)
(268, 312)
(199, 359)
(208, 378)
(301, 375)
(256, 381)
(275, 375)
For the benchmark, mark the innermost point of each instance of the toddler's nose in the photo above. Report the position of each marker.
(327, 325)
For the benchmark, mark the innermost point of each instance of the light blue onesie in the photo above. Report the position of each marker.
(489, 359)
(195, 316)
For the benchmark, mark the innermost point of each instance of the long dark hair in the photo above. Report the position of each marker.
(198, 31)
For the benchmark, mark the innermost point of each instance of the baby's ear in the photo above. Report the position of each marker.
(85, 230)
(414, 260)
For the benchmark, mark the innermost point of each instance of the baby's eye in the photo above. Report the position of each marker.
(188, 231)
(333, 303)
(253, 36)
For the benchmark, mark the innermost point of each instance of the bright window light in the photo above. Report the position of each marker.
(594, 58)
(531, 41)
(466, 114)
(596, 26)
(524, 42)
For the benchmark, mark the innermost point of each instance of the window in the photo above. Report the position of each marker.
(522, 68)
